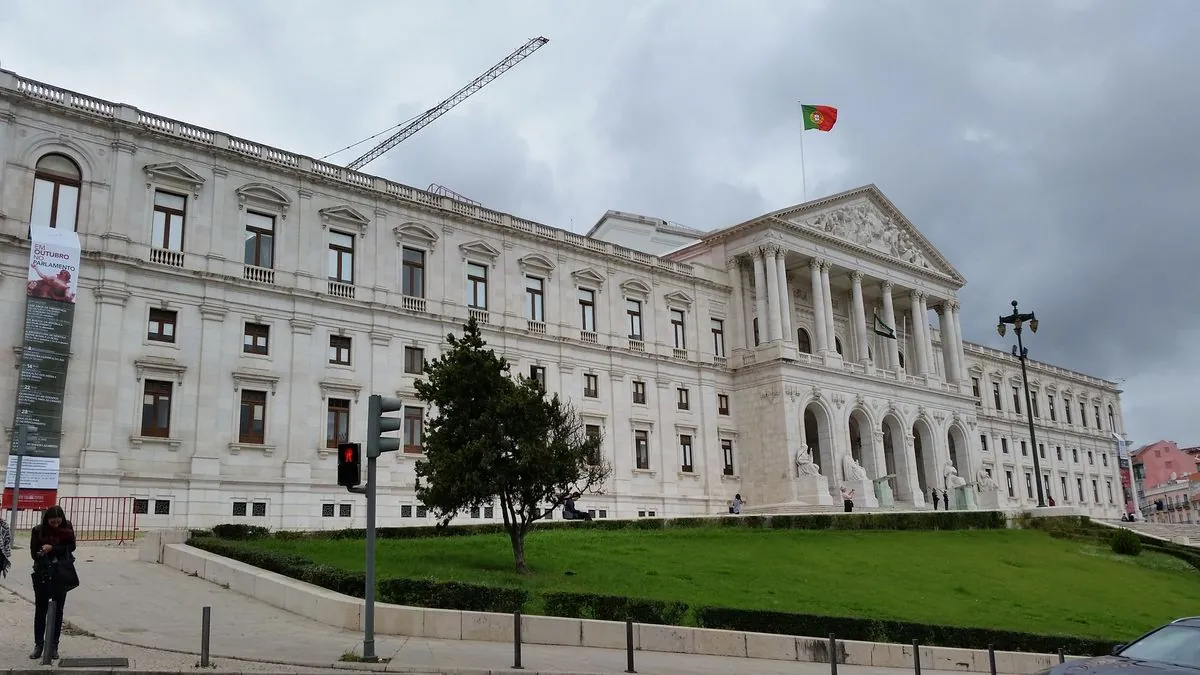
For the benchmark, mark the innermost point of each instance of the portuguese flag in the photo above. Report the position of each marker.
(819, 117)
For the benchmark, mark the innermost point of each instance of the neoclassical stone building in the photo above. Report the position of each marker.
(237, 303)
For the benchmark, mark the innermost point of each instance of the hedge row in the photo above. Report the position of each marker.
(903, 632)
(614, 608)
(1083, 529)
(936, 520)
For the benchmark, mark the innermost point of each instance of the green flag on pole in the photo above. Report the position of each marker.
(883, 330)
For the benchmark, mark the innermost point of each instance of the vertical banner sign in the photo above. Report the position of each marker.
(1125, 463)
(53, 281)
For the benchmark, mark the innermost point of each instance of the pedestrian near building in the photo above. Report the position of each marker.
(51, 545)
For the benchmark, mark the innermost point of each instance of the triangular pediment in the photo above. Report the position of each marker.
(588, 277)
(865, 218)
(480, 249)
(344, 216)
(678, 298)
(174, 172)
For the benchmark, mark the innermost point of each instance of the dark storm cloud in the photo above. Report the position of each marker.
(1046, 147)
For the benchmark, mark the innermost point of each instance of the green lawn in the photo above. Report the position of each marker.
(1010, 579)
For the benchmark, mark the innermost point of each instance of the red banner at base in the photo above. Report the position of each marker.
(31, 500)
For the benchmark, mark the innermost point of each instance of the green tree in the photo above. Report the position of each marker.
(499, 437)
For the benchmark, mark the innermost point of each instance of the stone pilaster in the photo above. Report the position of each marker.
(215, 411)
(774, 306)
(889, 315)
(785, 297)
(830, 326)
(919, 352)
(760, 298)
(737, 320)
(926, 336)
(100, 454)
(859, 317)
(818, 299)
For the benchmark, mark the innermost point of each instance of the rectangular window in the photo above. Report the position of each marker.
(591, 385)
(344, 510)
(161, 326)
(983, 446)
(169, 214)
(639, 392)
(252, 426)
(641, 446)
(722, 404)
(1050, 408)
(1058, 452)
(1091, 458)
(258, 509)
(327, 510)
(587, 310)
(414, 360)
(1079, 489)
(339, 350)
(260, 240)
(257, 338)
(996, 395)
(1042, 450)
(727, 457)
(414, 429)
(55, 193)
(1067, 410)
(477, 286)
(156, 409)
(1075, 455)
(633, 312)
(1033, 405)
(681, 399)
(1095, 492)
(1104, 459)
(1046, 486)
(1029, 484)
(1063, 483)
(1016, 400)
(1008, 479)
(1024, 449)
(754, 325)
(1004, 445)
(141, 507)
(412, 273)
(678, 332)
(239, 508)
(1097, 410)
(337, 426)
(341, 257)
(535, 299)
(685, 452)
(538, 374)
(718, 335)
(593, 431)
(975, 391)
(1083, 414)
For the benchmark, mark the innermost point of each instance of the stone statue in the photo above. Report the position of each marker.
(953, 480)
(984, 481)
(851, 469)
(805, 466)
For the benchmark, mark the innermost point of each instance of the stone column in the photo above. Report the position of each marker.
(818, 302)
(889, 315)
(947, 341)
(926, 336)
(773, 305)
(785, 298)
(738, 327)
(960, 355)
(918, 334)
(760, 297)
(830, 326)
(859, 317)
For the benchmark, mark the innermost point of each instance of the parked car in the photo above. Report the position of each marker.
(1173, 648)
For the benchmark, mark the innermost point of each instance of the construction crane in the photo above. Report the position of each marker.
(445, 106)
(443, 191)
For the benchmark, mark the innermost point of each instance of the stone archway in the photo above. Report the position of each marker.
(925, 457)
(862, 443)
(960, 452)
(818, 435)
(896, 461)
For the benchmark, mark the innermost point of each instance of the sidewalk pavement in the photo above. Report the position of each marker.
(144, 606)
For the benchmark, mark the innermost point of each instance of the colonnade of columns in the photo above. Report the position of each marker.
(772, 307)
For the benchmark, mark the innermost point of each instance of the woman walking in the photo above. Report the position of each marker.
(51, 546)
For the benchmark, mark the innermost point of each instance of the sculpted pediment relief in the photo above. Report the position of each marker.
(863, 223)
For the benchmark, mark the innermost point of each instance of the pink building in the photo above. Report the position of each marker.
(1161, 472)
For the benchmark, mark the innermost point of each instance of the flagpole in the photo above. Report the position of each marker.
(803, 176)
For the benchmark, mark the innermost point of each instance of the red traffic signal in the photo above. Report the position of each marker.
(349, 470)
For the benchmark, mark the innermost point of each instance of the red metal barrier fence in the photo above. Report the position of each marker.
(93, 518)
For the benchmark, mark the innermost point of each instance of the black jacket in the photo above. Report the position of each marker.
(60, 550)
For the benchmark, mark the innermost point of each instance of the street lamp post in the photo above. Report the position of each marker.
(1018, 320)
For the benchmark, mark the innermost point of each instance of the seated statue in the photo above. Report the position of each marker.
(953, 480)
(851, 469)
(805, 466)
(984, 481)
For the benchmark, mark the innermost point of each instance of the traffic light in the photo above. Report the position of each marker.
(349, 464)
(377, 425)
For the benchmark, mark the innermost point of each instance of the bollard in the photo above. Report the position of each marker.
(205, 624)
(629, 647)
(517, 641)
(992, 659)
(832, 655)
(50, 644)
(916, 657)
(1062, 658)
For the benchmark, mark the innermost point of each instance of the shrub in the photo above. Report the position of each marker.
(614, 608)
(452, 595)
(1125, 542)
(883, 630)
(238, 531)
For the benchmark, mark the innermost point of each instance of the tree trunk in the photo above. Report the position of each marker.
(518, 547)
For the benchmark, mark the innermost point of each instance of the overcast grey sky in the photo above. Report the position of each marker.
(1048, 147)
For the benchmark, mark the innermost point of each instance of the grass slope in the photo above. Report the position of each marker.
(1009, 579)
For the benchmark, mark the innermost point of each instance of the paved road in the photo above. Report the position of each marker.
(150, 606)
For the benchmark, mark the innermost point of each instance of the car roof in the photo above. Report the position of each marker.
(1190, 621)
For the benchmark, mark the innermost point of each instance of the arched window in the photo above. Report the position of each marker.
(1112, 424)
(56, 182)
(803, 341)
(837, 343)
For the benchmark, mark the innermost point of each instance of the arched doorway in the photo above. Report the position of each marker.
(803, 341)
(862, 443)
(960, 452)
(895, 460)
(925, 457)
(818, 435)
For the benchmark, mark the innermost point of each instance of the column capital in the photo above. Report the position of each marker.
(781, 251)
(826, 266)
(914, 294)
(769, 250)
(885, 286)
(816, 263)
(940, 309)
(734, 262)
(856, 277)
(952, 305)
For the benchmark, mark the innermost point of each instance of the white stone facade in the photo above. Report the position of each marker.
(212, 364)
